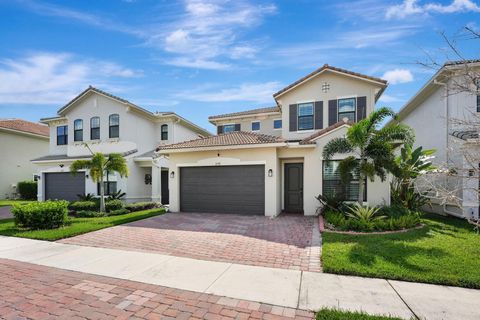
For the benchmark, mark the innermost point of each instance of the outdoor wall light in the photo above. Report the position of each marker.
(86, 176)
(61, 165)
(270, 172)
(172, 174)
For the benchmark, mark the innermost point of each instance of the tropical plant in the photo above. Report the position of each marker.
(372, 148)
(86, 197)
(408, 166)
(364, 214)
(119, 195)
(100, 166)
(333, 202)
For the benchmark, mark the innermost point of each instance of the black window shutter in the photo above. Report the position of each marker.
(219, 129)
(361, 108)
(332, 112)
(292, 123)
(318, 114)
(237, 126)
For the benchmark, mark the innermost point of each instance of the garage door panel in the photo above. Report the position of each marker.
(64, 185)
(226, 189)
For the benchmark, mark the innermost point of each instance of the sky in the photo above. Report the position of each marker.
(205, 57)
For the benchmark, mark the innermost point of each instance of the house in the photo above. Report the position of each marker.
(110, 124)
(269, 160)
(20, 141)
(445, 116)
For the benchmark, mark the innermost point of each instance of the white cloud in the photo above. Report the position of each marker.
(385, 98)
(44, 78)
(253, 92)
(396, 76)
(411, 7)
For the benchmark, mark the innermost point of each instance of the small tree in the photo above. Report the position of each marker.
(372, 147)
(100, 166)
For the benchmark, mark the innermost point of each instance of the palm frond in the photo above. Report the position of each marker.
(116, 163)
(357, 134)
(80, 165)
(399, 133)
(336, 145)
(346, 167)
(377, 116)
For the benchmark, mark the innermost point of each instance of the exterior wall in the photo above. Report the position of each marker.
(341, 86)
(18, 150)
(266, 123)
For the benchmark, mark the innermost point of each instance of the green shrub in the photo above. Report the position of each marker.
(139, 206)
(86, 197)
(27, 190)
(41, 215)
(394, 211)
(89, 214)
(84, 206)
(112, 205)
(118, 212)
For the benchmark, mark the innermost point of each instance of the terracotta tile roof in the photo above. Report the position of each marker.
(245, 113)
(460, 62)
(324, 131)
(225, 139)
(25, 126)
(325, 67)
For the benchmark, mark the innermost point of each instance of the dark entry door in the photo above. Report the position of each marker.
(294, 187)
(165, 192)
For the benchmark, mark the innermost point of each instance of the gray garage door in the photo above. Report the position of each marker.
(226, 189)
(64, 186)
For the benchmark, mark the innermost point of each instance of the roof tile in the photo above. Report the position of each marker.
(25, 126)
(324, 131)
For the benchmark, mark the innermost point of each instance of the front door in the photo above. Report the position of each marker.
(294, 187)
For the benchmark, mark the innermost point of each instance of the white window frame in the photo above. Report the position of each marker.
(259, 125)
(279, 119)
(354, 110)
(298, 116)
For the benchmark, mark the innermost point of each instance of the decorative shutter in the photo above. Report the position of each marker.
(237, 126)
(332, 112)
(292, 123)
(361, 108)
(219, 129)
(318, 114)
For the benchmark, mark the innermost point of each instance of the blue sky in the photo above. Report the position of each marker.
(206, 57)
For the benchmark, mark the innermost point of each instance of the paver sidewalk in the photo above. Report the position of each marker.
(279, 287)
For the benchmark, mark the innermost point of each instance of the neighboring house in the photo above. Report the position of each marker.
(269, 160)
(109, 124)
(445, 115)
(20, 141)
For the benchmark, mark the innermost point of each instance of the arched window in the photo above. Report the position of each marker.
(164, 129)
(114, 126)
(78, 130)
(95, 128)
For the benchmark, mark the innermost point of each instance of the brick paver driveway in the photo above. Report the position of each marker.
(288, 241)
(37, 292)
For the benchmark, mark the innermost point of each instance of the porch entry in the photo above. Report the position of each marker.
(293, 187)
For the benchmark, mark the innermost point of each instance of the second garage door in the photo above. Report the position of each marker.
(225, 189)
(64, 185)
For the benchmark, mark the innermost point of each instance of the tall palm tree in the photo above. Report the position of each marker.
(100, 166)
(372, 148)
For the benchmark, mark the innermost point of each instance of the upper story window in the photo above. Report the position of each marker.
(256, 126)
(62, 135)
(346, 109)
(228, 128)
(305, 116)
(114, 126)
(95, 128)
(478, 94)
(164, 132)
(78, 130)
(277, 124)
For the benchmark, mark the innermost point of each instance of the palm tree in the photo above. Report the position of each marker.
(372, 147)
(100, 166)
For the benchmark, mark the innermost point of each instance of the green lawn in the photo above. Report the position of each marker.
(4, 203)
(330, 314)
(446, 251)
(75, 226)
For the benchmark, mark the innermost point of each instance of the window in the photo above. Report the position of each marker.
(78, 130)
(305, 116)
(334, 187)
(346, 109)
(109, 187)
(164, 132)
(478, 94)
(228, 128)
(62, 135)
(95, 128)
(114, 126)
(277, 124)
(256, 126)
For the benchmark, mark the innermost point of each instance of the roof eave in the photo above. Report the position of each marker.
(252, 115)
(30, 134)
(225, 147)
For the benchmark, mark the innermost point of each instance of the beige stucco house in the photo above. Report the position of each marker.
(20, 141)
(269, 160)
(110, 124)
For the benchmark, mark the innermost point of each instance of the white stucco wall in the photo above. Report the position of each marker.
(17, 151)
(266, 123)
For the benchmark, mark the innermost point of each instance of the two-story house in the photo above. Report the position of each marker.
(110, 124)
(445, 114)
(269, 160)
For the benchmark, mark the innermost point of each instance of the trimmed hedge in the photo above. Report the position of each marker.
(118, 212)
(113, 205)
(84, 206)
(139, 206)
(27, 190)
(41, 215)
(89, 214)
